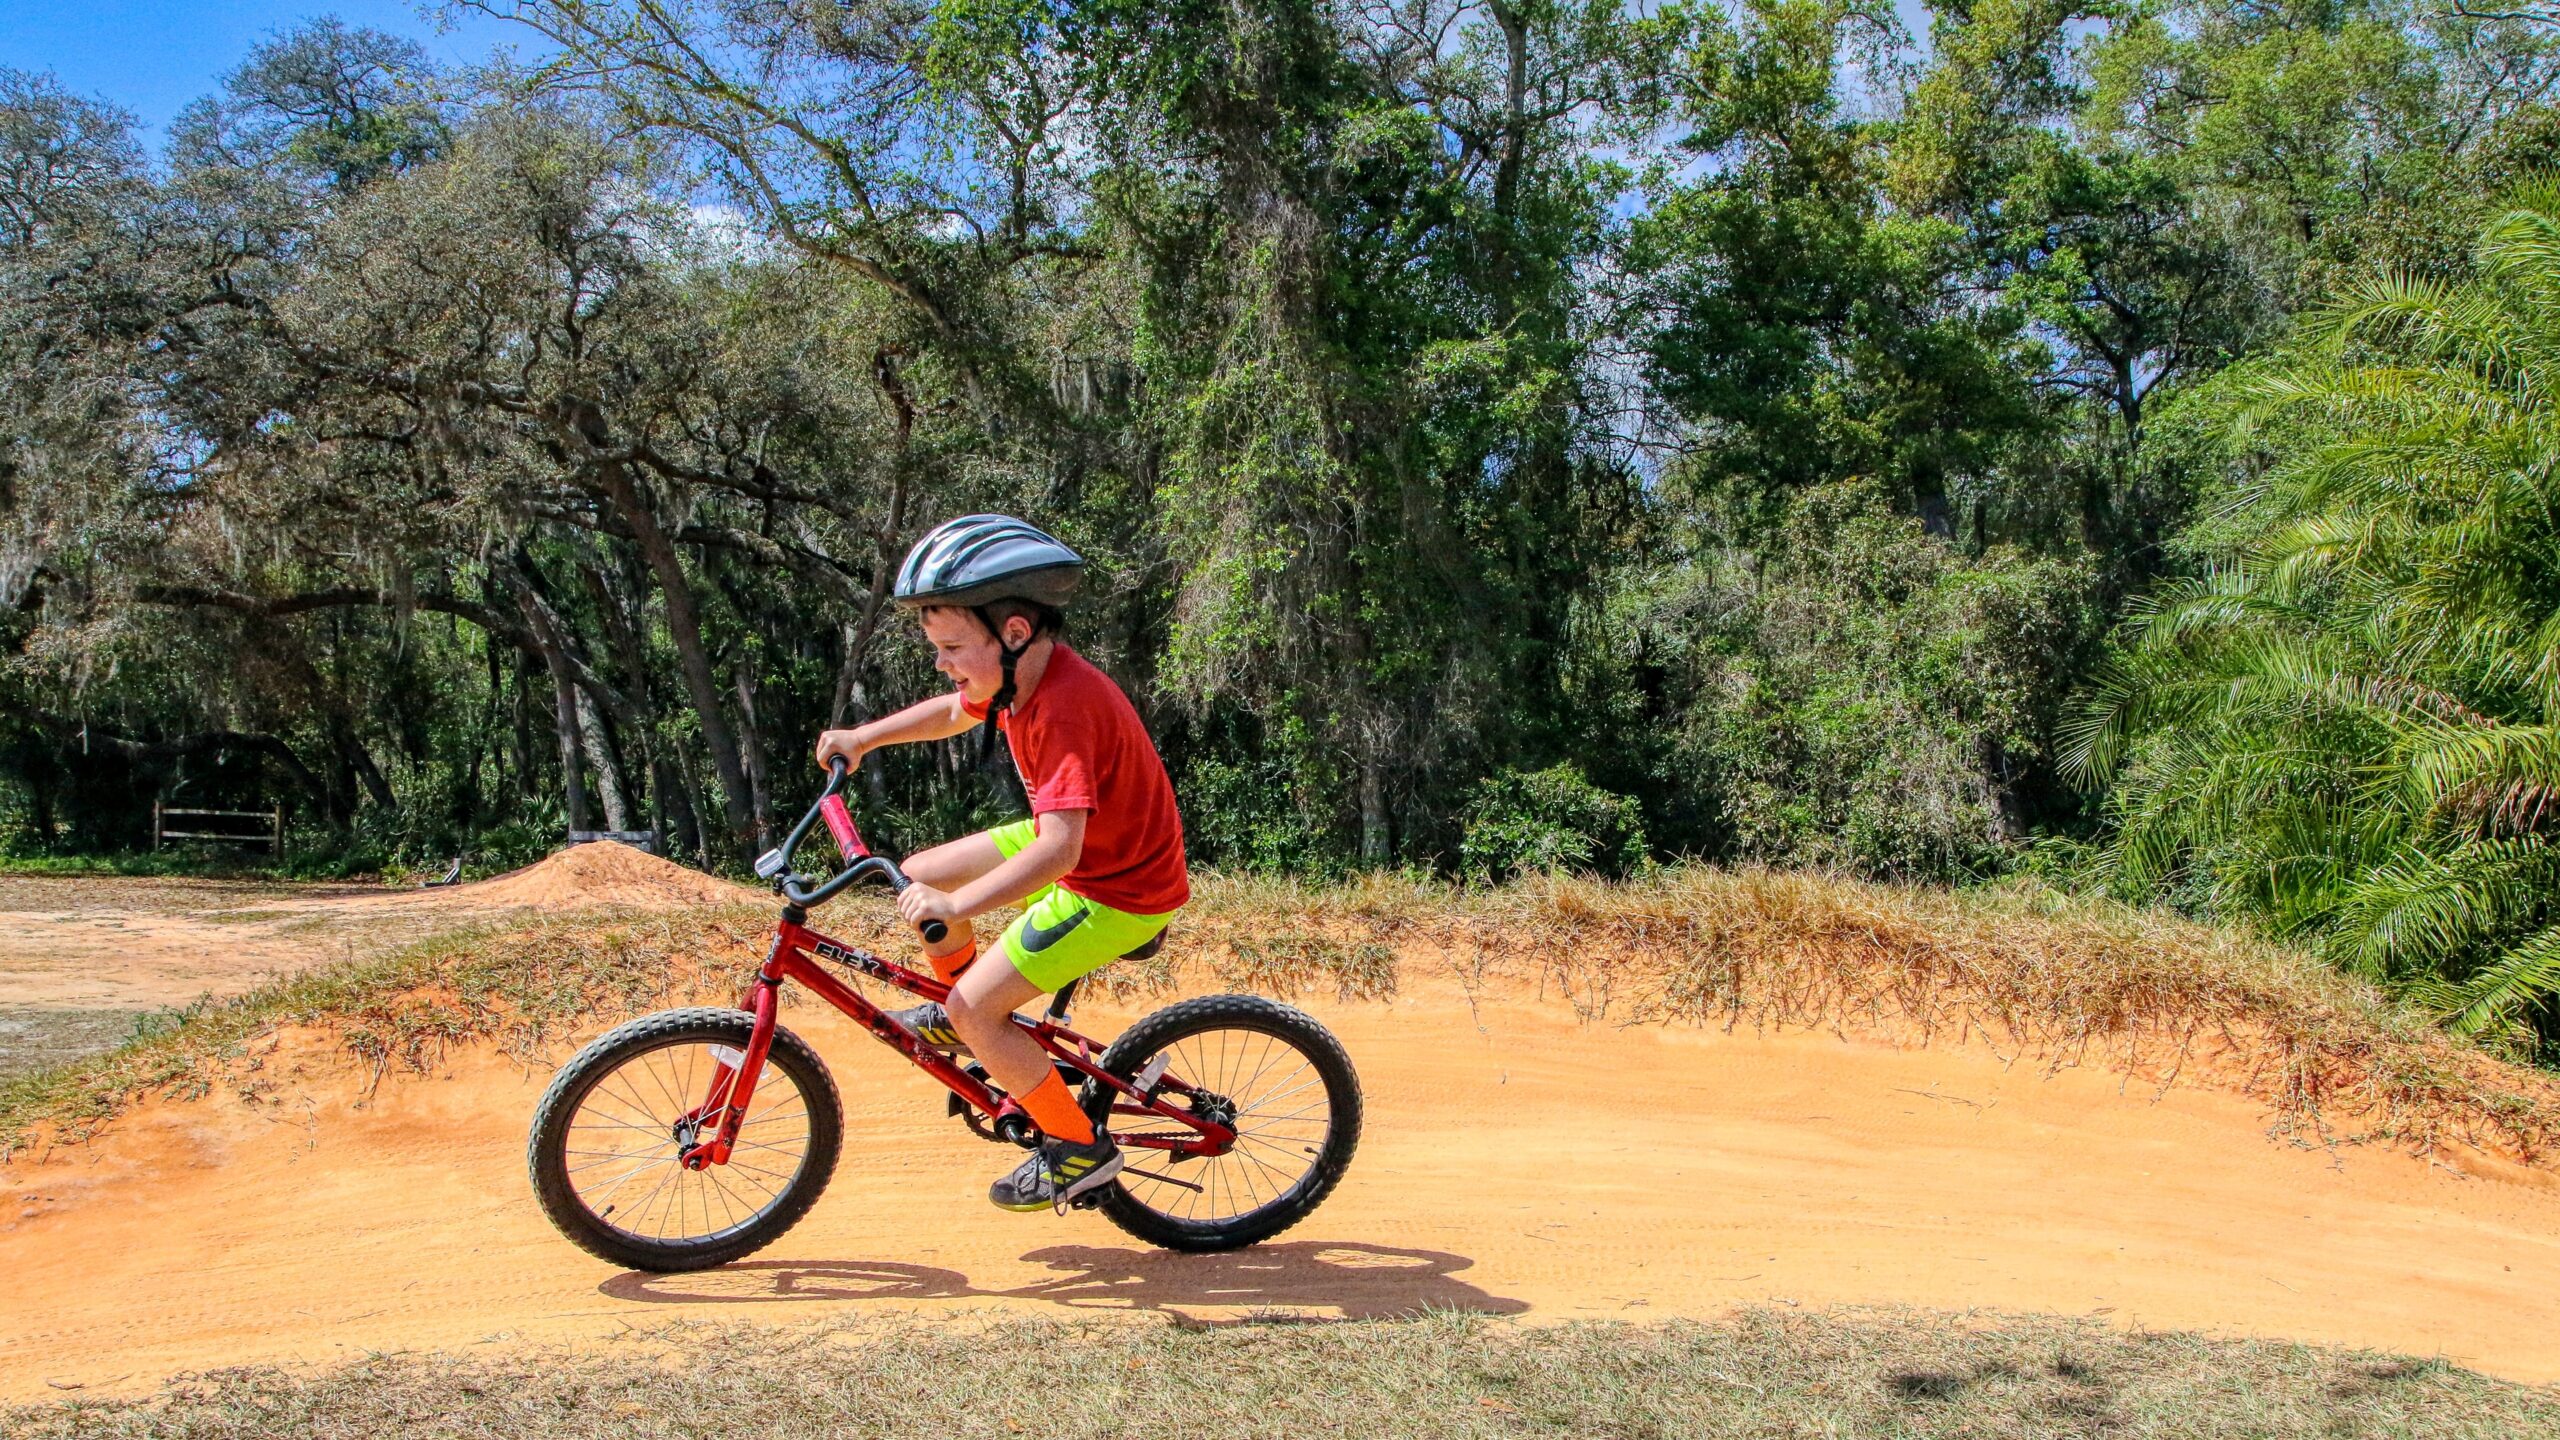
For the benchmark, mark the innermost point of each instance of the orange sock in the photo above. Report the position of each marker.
(948, 967)
(1054, 1109)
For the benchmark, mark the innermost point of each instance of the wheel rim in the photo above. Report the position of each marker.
(624, 1147)
(1283, 1116)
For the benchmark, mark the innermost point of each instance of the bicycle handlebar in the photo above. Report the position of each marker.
(848, 841)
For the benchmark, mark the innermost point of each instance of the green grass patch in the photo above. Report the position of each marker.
(211, 863)
(1764, 1373)
(243, 917)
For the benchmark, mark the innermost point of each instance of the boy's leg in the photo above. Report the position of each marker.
(1060, 936)
(1074, 1155)
(981, 1008)
(948, 867)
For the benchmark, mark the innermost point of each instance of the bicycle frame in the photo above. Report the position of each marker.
(795, 954)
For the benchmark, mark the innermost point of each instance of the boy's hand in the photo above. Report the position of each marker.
(839, 742)
(920, 902)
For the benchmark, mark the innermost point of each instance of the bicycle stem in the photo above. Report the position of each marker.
(776, 863)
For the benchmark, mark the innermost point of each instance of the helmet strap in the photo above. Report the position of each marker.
(1003, 700)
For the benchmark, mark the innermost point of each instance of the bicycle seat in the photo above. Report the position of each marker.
(1059, 1002)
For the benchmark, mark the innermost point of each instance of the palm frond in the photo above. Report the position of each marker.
(2524, 974)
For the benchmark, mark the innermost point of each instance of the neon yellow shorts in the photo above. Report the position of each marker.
(1062, 936)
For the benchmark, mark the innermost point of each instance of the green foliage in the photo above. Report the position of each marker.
(1472, 411)
(2346, 725)
(1860, 695)
(1548, 821)
(1813, 331)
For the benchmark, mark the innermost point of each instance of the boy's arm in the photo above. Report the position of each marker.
(939, 718)
(1050, 855)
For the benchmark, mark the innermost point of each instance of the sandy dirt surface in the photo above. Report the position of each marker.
(1516, 1162)
(81, 957)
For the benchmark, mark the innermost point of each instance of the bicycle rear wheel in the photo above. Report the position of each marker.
(1280, 1079)
(611, 1132)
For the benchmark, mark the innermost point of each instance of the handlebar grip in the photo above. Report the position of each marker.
(933, 931)
(840, 825)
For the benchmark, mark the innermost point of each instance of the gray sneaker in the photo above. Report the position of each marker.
(930, 1023)
(1058, 1172)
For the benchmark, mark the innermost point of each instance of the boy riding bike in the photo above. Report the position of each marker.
(1099, 862)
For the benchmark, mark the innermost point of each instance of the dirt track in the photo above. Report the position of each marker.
(83, 956)
(1524, 1166)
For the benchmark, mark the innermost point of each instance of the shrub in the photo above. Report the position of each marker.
(1858, 694)
(1543, 821)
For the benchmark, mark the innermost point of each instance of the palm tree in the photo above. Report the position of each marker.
(2348, 726)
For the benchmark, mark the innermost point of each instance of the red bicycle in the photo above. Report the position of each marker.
(692, 1137)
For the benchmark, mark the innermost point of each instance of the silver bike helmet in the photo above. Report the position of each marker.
(979, 559)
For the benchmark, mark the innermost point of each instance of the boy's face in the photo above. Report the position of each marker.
(965, 651)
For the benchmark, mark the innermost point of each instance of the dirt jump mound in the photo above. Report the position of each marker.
(602, 873)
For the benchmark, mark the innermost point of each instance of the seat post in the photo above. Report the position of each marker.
(1058, 1002)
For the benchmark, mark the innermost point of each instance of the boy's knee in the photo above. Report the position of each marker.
(966, 1016)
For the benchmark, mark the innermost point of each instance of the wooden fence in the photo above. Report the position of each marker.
(270, 834)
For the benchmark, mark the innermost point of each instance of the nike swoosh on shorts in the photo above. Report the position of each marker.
(1035, 938)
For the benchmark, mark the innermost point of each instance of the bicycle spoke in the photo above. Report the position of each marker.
(1287, 1178)
(649, 1199)
(720, 1186)
(1283, 1117)
(642, 1168)
(651, 1131)
(675, 1203)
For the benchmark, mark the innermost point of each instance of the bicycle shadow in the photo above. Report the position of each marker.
(1352, 1281)
(1344, 1280)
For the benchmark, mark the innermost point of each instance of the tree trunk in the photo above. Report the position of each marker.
(40, 808)
(689, 791)
(854, 707)
(751, 747)
(361, 766)
(599, 745)
(619, 594)
(564, 726)
(1375, 841)
(520, 728)
(564, 705)
(684, 627)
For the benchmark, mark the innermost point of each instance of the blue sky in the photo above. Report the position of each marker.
(153, 56)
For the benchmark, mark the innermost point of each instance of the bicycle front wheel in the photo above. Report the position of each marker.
(612, 1130)
(1273, 1073)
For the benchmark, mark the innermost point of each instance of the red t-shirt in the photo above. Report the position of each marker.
(1079, 745)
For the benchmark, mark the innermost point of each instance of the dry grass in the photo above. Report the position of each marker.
(2052, 979)
(517, 985)
(1761, 1374)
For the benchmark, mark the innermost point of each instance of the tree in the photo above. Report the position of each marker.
(1804, 330)
(2345, 727)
